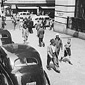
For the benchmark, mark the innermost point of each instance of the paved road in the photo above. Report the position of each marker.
(70, 74)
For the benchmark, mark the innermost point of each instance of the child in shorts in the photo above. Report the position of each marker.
(67, 50)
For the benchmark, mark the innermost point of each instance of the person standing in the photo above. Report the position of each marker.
(50, 51)
(38, 26)
(40, 35)
(44, 23)
(67, 50)
(51, 24)
(21, 23)
(51, 56)
(58, 46)
(30, 25)
(14, 22)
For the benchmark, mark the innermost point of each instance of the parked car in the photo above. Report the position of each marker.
(23, 15)
(6, 37)
(36, 18)
(21, 65)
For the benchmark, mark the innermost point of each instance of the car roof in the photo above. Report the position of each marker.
(22, 51)
(6, 36)
(5, 32)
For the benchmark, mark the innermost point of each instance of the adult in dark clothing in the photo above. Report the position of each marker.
(30, 25)
(25, 30)
(3, 24)
(40, 35)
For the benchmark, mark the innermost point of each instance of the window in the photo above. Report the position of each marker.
(25, 61)
(27, 13)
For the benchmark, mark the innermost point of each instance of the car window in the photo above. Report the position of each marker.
(25, 61)
(24, 13)
(47, 18)
(27, 13)
(21, 14)
(4, 36)
(36, 18)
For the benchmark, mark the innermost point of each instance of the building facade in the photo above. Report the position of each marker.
(31, 5)
(64, 9)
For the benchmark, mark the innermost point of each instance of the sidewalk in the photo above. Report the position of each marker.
(62, 29)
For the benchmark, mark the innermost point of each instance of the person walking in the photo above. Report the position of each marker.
(30, 25)
(25, 30)
(40, 35)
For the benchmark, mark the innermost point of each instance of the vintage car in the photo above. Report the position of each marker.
(23, 15)
(21, 65)
(5, 37)
(36, 18)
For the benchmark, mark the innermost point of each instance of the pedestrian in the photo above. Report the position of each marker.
(40, 35)
(51, 24)
(67, 50)
(3, 24)
(44, 23)
(25, 30)
(58, 46)
(38, 26)
(51, 56)
(14, 22)
(21, 23)
(30, 26)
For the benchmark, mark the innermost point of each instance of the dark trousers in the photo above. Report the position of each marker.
(67, 52)
(54, 60)
(48, 59)
(40, 41)
(30, 30)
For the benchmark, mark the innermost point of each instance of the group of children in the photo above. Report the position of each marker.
(53, 51)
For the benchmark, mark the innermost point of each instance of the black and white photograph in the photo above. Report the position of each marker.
(42, 42)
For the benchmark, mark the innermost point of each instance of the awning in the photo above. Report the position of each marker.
(48, 7)
(35, 7)
(27, 7)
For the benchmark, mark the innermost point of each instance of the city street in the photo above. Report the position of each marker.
(69, 74)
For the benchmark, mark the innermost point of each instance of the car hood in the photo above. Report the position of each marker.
(29, 74)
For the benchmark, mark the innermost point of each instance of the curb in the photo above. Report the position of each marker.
(62, 29)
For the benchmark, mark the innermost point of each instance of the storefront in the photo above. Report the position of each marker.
(34, 6)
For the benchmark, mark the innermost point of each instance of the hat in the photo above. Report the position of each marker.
(57, 34)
